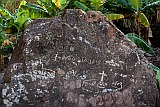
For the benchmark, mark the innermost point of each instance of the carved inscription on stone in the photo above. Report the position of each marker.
(78, 59)
(105, 100)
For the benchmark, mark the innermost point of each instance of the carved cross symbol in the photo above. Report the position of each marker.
(102, 77)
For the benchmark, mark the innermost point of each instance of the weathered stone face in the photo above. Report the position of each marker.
(78, 60)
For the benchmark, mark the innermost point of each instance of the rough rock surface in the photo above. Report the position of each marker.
(78, 59)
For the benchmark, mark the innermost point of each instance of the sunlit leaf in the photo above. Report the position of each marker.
(49, 6)
(96, 5)
(114, 16)
(57, 3)
(143, 19)
(35, 11)
(22, 17)
(62, 2)
(22, 3)
(81, 6)
(136, 4)
(5, 13)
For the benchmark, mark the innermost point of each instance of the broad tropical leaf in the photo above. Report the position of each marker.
(96, 5)
(114, 16)
(9, 22)
(29, 6)
(5, 13)
(143, 19)
(152, 5)
(140, 42)
(145, 2)
(22, 17)
(136, 4)
(35, 11)
(57, 3)
(49, 5)
(157, 73)
(81, 6)
(61, 4)
(123, 3)
(22, 3)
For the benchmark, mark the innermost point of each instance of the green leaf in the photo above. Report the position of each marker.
(63, 6)
(145, 1)
(81, 6)
(5, 13)
(50, 6)
(96, 5)
(22, 3)
(28, 6)
(136, 4)
(155, 69)
(3, 37)
(63, 3)
(27, 22)
(157, 73)
(22, 17)
(9, 22)
(1, 28)
(114, 16)
(35, 11)
(60, 3)
(140, 42)
(152, 5)
(1, 20)
(143, 19)
(122, 3)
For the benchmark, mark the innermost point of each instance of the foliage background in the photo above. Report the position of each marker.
(13, 4)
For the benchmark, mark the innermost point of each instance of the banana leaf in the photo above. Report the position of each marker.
(29, 6)
(60, 3)
(157, 73)
(96, 5)
(136, 4)
(21, 17)
(112, 16)
(123, 3)
(22, 3)
(140, 42)
(81, 6)
(143, 19)
(152, 5)
(9, 22)
(35, 11)
(145, 1)
(5, 13)
(49, 6)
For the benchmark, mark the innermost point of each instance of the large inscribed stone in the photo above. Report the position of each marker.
(78, 59)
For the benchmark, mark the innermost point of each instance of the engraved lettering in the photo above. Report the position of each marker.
(101, 84)
(72, 85)
(78, 83)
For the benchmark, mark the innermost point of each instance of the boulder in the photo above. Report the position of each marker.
(78, 59)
